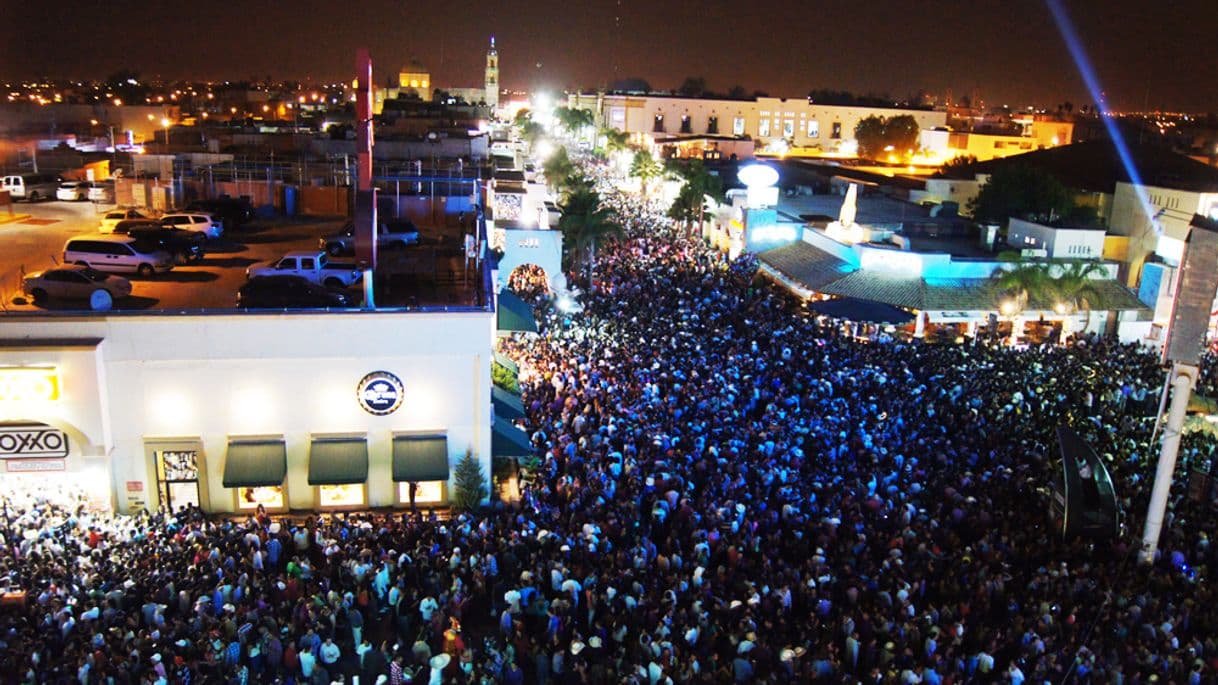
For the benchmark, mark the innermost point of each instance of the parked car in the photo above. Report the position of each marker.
(392, 235)
(314, 266)
(102, 192)
(286, 292)
(183, 246)
(73, 191)
(111, 219)
(71, 281)
(31, 187)
(194, 221)
(117, 254)
(235, 212)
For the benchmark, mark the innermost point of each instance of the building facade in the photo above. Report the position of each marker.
(772, 122)
(304, 411)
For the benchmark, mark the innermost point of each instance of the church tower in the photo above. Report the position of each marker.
(492, 77)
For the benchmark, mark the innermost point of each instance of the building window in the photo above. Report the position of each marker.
(712, 125)
(763, 128)
(659, 124)
(426, 492)
(685, 124)
(837, 131)
(788, 128)
(813, 129)
(738, 126)
(270, 497)
(341, 495)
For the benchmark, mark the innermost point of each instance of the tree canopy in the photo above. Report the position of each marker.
(879, 136)
(1024, 193)
(690, 203)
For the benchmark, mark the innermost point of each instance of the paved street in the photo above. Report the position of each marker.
(37, 243)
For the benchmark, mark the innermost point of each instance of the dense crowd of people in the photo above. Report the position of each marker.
(731, 490)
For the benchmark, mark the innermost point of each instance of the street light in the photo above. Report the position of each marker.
(165, 125)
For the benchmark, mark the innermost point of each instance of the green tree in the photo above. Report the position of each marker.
(531, 132)
(645, 168)
(469, 484)
(558, 169)
(876, 135)
(523, 116)
(692, 87)
(1075, 289)
(1021, 192)
(959, 162)
(585, 223)
(615, 140)
(690, 203)
(574, 120)
(1017, 283)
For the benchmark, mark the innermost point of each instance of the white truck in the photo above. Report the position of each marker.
(314, 266)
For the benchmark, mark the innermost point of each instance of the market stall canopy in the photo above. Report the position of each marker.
(502, 360)
(255, 463)
(507, 405)
(862, 311)
(514, 314)
(338, 461)
(420, 458)
(508, 440)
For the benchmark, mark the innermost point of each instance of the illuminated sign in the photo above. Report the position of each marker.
(32, 441)
(380, 393)
(758, 176)
(29, 384)
(529, 242)
(892, 261)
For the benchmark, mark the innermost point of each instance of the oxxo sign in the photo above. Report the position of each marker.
(28, 384)
(380, 393)
(32, 441)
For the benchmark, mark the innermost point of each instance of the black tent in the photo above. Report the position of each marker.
(1084, 500)
(862, 311)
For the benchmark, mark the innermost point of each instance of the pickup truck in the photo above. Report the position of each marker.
(392, 235)
(314, 266)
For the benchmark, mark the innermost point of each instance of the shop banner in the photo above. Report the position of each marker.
(32, 441)
(34, 465)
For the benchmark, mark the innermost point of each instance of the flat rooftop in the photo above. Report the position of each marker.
(951, 235)
(438, 277)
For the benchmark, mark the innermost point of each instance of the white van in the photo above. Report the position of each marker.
(32, 187)
(117, 254)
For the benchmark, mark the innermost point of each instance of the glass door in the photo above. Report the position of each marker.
(177, 473)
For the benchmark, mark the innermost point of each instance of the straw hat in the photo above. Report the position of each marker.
(440, 661)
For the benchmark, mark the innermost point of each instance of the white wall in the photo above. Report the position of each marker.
(212, 377)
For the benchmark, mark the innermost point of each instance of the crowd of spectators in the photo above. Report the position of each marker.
(730, 490)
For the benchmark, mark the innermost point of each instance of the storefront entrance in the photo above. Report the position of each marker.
(177, 474)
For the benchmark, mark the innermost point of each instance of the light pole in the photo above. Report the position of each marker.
(165, 126)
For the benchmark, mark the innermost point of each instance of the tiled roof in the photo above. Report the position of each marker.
(811, 266)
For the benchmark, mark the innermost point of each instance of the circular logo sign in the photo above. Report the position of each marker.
(380, 393)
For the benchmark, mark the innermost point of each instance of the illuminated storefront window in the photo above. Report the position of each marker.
(738, 126)
(427, 492)
(763, 128)
(177, 477)
(341, 495)
(270, 497)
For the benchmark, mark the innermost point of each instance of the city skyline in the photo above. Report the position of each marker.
(1007, 57)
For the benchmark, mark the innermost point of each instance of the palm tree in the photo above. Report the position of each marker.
(1021, 282)
(558, 169)
(645, 167)
(584, 223)
(1075, 289)
(615, 140)
(574, 120)
(690, 204)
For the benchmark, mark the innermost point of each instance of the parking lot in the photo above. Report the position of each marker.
(37, 243)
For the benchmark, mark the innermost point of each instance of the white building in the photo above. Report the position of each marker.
(302, 410)
(768, 120)
(1056, 243)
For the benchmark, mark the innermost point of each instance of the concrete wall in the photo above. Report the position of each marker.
(209, 378)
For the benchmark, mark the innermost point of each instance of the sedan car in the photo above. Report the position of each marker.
(198, 222)
(73, 282)
(73, 191)
(111, 219)
(289, 292)
(102, 192)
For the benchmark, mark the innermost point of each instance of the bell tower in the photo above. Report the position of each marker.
(492, 77)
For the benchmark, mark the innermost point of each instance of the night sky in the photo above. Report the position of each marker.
(1156, 54)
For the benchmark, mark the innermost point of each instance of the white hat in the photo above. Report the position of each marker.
(735, 604)
(440, 661)
(577, 647)
(156, 658)
(595, 642)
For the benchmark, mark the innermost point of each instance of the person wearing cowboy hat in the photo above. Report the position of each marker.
(438, 663)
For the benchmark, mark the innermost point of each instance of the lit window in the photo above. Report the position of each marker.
(763, 128)
(270, 497)
(341, 495)
(837, 131)
(738, 128)
(426, 492)
(813, 129)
